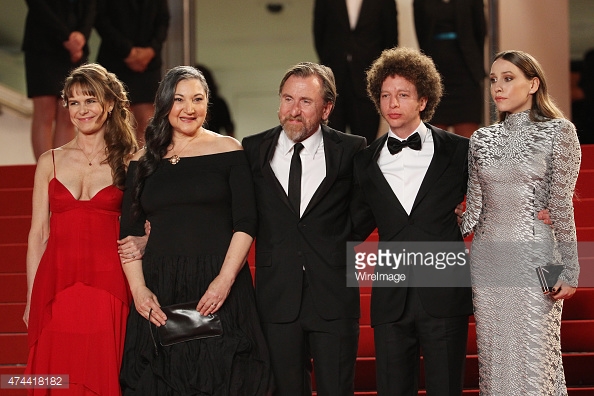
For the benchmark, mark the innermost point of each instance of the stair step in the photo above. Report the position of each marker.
(13, 257)
(577, 336)
(14, 229)
(585, 234)
(14, 348)
(587, 156)
(17, 176)
(16, 202)
(584, 212)
(581, 305)
(13, 288)
(12, 318)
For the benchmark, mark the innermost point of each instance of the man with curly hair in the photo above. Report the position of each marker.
(408, 184)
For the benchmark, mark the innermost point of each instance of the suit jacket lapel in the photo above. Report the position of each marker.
(342, 12)
(333, 155)
(442, 151)
(377, 177)
(267, 148)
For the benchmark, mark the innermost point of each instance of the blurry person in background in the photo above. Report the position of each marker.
(55, 42)
(132, 36)
(219, 118)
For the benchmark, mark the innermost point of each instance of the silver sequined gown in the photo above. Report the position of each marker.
(517, 168)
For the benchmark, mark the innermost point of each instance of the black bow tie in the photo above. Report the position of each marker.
(395, 146)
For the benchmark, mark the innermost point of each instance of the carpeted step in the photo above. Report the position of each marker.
(14, 229)
(14, 348)
(12, 318)
(13, 257)
(587, 156)
(13, 288)
(17, 176)
(16, 201)
(581, 305)
(584, 212)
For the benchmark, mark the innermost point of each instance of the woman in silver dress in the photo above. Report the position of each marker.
(526, 162)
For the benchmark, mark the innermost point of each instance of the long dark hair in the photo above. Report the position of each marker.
(159, 132)
(120, 140)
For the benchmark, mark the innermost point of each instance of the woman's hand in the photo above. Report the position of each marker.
(26, 314)
(215, 296)
(144, 301)
(132, 247)
(562, 290)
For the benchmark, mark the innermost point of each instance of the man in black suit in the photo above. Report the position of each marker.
(349, 36)
(407, 184)
(306, 309)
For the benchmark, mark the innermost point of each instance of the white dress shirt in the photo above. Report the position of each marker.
(353, 8)
(406, 170)
(313, 164)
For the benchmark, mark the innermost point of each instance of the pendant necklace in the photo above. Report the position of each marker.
(85, 154)
(175, 158)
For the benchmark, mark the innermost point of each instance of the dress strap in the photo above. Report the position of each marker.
(54, 161)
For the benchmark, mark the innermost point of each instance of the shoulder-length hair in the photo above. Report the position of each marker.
(543, 106)
(120, 139)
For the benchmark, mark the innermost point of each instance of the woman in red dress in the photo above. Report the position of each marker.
(77, 295)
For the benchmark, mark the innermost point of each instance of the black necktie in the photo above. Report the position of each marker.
(295, 179)
(413, 141)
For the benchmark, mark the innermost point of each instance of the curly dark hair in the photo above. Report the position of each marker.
(120, 140)
(159, 131)
(412, 65)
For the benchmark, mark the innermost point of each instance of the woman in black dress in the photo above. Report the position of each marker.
(55, 42)
(452, 33)
(195, 188)
(132, 36)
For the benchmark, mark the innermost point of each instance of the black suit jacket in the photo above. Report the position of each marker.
(432, 218)
(470, 26)
(348, 51)
(124, 24)
(286, 243)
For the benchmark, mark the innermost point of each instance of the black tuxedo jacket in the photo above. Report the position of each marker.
(432, 218)
(470, 26)
(286, 244)
(348, 51)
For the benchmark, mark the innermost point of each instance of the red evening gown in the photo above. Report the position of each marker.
(80, 299)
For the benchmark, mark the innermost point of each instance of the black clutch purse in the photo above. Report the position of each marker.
(548, 276)
(184, 323)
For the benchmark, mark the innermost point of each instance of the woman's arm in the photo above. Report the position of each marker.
(474, 195)
(144, 298)
(565, 168)
(219, 288)
(39, 232)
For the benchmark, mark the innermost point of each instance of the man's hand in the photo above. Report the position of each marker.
(545, 216)
(459, 212)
